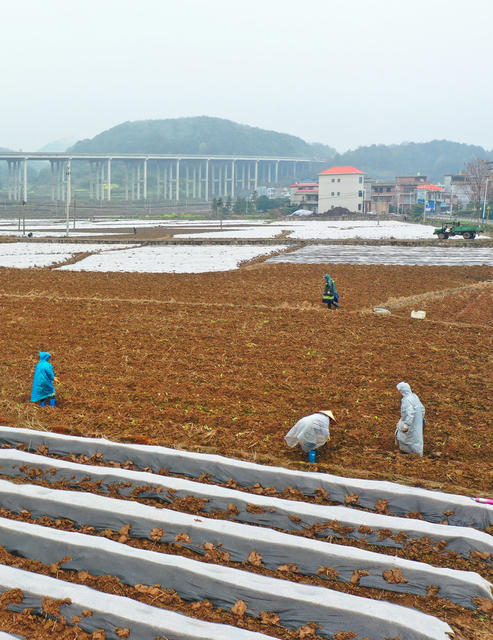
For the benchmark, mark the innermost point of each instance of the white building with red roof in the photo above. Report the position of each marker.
(341, 187)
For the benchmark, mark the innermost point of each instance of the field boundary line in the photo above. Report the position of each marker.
(303, 307)
(404, 301)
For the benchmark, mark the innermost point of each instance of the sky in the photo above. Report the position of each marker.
(344, 73)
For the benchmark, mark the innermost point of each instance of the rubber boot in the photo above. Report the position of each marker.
(312, 455)
(42, 403)
(52, 402)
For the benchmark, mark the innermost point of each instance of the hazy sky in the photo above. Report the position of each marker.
(342, 72)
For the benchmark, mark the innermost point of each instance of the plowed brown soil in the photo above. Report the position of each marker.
(42, 627)
(227, 362)
(472, 305)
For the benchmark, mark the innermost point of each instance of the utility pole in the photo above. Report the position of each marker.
(485, 197)
(68, 195)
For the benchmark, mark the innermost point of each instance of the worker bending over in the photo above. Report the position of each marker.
(311, 432)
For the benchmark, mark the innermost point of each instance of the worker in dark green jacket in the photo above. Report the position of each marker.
(330, 297)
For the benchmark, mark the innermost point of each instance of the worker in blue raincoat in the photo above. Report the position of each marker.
(44, 377)
(330, 297)
(409, 431)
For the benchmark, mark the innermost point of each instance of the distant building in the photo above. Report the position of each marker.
(304, 195)
(431, 196)
(341, 187)
(405, 191)
(273, 192)
(382, 197)
(458, 189)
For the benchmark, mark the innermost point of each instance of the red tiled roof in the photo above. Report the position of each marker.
(304, 184)
(340, 171)
(430, 187)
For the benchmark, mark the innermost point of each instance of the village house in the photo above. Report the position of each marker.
(304, 195)
(382, 197)
(405, 191)
(341, 187)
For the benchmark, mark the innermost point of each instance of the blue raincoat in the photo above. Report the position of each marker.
(43, 378)
(409, 431)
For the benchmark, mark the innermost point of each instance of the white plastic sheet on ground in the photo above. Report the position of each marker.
(239, 540)
(295, 603)
(25, 255)
(434, 506)
(110, 612)
(266, 511)
(8, 636)
(173, 259)
(360, 254)
(329, 229)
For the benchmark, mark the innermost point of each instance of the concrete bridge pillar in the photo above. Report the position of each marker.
(16, 179)
(108, 171)
(177, 183)
(145, 179)
(207, 180)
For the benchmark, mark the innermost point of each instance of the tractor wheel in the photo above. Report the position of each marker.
(468, 235)
(443, 236)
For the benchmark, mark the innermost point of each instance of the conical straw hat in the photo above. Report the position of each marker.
(328, 413)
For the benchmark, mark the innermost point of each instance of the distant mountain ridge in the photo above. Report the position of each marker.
(58, 145)
(215, 136)
(433, 159)
(198, 136)
(205, 135)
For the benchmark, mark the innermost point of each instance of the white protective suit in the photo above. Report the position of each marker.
(409, 431)
(311, 432)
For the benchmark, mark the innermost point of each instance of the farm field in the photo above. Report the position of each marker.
(190, 361)
(226, 362)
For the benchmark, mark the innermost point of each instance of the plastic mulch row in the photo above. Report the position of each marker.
(434, 506)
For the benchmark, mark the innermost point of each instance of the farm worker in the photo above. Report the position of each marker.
(409, 430)
(311, 432)
(330, 296)
(43, 388)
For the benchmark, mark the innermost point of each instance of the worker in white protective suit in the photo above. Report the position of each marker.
(409, 430)
(311, 432)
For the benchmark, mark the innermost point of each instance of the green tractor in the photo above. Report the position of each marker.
(467, 231)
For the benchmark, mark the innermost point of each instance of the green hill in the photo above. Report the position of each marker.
(215, 136)
(433, 159)
(200, 135)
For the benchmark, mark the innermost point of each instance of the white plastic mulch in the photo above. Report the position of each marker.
(48, 227)
(172, 259)
(244, 228)
(26, 255)
(361, 254)
(333, 230)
